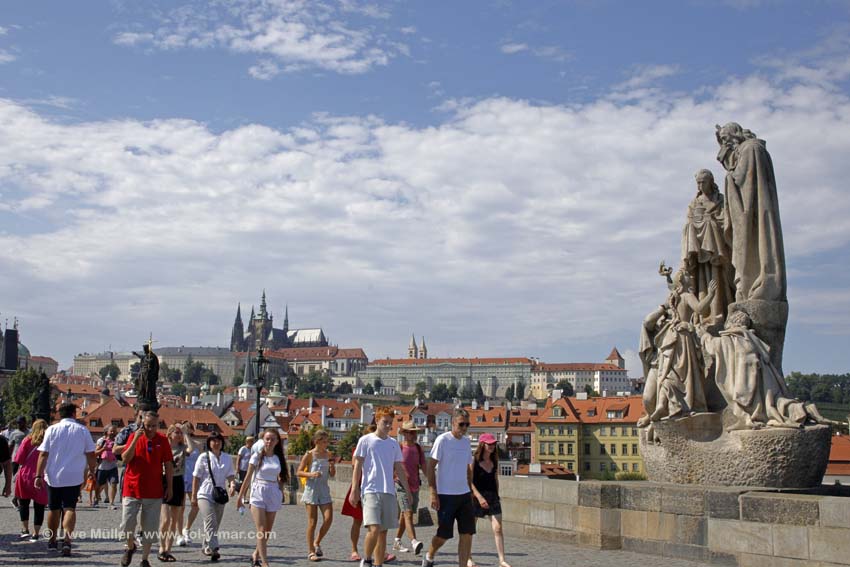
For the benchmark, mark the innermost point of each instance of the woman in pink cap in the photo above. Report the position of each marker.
(485, 489)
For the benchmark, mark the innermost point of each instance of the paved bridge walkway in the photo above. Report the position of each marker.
(98, 546)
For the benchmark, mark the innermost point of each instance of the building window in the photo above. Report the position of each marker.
(613, 466)
(560, 448)
(560, 430)
(569, 448)
(543, 448)
(634, 449)
(570, 465)
(613, 448)
(551, 448)
(634, 431)
(506, 471)
(587, 448)
(613, 431)
(625, 449)
(587, 465)
(570, 430)
(601, 449)
(624, 432)
(601, 467)
(635, 467)
(603, 431)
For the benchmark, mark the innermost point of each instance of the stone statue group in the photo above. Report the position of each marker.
(715, 344)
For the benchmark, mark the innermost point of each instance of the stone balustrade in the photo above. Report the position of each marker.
(722, 525)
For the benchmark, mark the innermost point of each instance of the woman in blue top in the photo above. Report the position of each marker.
(316, 466)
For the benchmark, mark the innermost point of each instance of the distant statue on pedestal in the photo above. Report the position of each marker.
(146, 382)
(41, 404)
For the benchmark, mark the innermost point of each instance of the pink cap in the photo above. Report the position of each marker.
(486, 438)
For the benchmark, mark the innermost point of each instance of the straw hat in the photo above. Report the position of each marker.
(410, 426)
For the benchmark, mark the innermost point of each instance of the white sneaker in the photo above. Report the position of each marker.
(186, 538)
(417, 546)
(397, 546)
(178, 541)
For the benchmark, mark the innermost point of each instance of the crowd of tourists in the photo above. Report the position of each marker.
(47, 467)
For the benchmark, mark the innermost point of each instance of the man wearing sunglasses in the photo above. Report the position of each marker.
(450, 479)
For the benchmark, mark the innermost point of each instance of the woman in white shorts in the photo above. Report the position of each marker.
(268, 472)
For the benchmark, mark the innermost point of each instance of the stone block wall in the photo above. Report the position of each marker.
(750, 527)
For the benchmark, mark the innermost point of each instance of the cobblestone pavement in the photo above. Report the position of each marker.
(97, 545)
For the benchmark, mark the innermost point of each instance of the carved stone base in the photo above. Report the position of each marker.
(696, 450)
(769, 320)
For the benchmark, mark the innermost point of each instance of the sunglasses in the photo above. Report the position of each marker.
(463, 424)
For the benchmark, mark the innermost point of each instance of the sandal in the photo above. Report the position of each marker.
(313, 557)
(354, 556)
(66, 549)
(166, 558)
(389, 557)
(319, 551)
(127, 558)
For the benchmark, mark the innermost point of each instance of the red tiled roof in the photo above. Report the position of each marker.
(434, 361)
(112, 410)
(43, 359)
(632, 407)
(838, 469)
(494, 417)
(546, 415)
(574, 367)
(313, 353)
(545, 470)
(839, 451)
(78, 389)
(614, 354)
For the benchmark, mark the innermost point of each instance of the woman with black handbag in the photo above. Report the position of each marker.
(213, 472)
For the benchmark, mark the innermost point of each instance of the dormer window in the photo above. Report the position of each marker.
(558, 412)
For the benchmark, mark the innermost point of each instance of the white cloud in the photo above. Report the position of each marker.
(646, 75)
(511, 48)
(288, 34)
(553, 52)
(546, 220)
(6, 57)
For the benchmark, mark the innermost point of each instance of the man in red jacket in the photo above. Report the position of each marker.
(146, 452)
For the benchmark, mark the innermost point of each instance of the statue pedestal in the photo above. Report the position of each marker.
(697, 450)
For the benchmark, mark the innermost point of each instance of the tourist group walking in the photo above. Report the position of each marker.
(164, 481)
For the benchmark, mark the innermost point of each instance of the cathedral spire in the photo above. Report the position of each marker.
(237, 336)
(423, 350)
(286, 319)
(412, 350)
(263, 310)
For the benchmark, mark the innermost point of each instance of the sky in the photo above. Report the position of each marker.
(502, 178)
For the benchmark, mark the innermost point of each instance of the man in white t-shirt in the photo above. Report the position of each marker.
(376, 458)
(450, 480)
(65, 452)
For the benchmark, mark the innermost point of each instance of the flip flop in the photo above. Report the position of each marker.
(319, 551)
(313, 557)
(354, 556)
(166, 558)
(127, 558)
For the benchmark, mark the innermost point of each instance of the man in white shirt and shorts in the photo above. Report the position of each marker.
(376, 457)
(450, 480)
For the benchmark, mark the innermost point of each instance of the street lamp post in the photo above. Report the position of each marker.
(261, 362)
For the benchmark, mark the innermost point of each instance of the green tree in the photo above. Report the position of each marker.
(19, 393)
(378, 384)
(520, 390)
(452, 392)
(208, 376)
(134, 370)
(345, 446)
(192, 371)
(439, 393)
(111, 370)
(234, 443)
(302, 442)
(169, 374)
(591, 393)
(420, 389)
(467, 392)
(344, 388)
(178, 389)
(566, 388)
(292, 382)
(479, 392)
(316, 382)
(237, 380)
(509, 393)
(369, 390)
